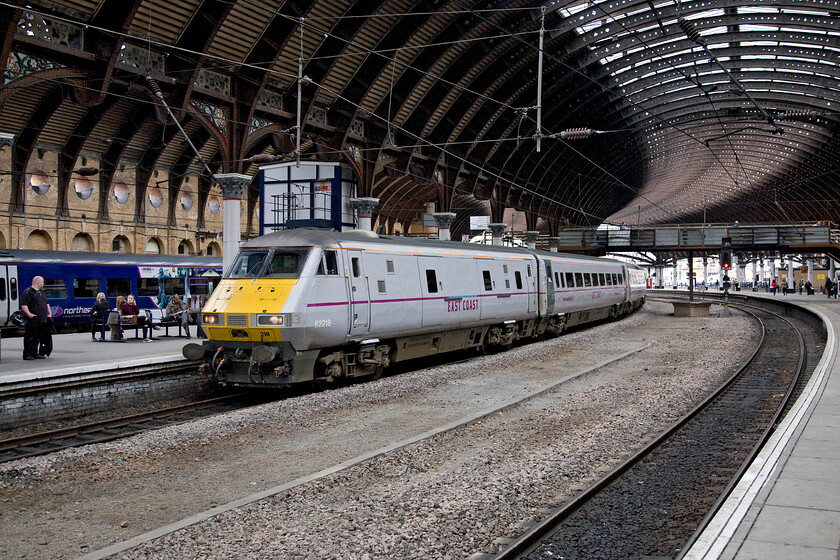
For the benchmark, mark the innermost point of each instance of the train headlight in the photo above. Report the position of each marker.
(276, 320)
(210, 319)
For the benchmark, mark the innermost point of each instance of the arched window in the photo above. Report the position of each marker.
(82, 242)
(152, 246)
(120, 244)
(185, 248)
(39, 240)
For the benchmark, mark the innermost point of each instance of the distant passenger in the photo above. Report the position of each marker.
(179, 309)
(773, 287)
(784, 287)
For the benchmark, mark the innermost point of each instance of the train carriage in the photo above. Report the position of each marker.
(302, 305)
(73, 279)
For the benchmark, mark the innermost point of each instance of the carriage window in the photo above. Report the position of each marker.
(431, 282)
(570, 280)
(55, 289)
(529, 271)
(488, 283)
(199, 286)
(13, 292)
(381, 285)
(2, 289)
(389, 266)
(507, 283)
(117, 287)
(609, 279)
(85, 287)
(556, 279)
(518, 276)
(578, 279)
(504, 268)
(172, 286)
(620, 280)
(149, 287)
(602, 279)
(587, 280)
(595, 280)
(355, 263)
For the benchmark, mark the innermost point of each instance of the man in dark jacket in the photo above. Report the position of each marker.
(33, 303)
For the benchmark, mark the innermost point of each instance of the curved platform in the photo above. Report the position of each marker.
(787, 506)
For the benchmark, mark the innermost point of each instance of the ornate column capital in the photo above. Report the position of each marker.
(553, 244)
(364, 206)
(232, 184)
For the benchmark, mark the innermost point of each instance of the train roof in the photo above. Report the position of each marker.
(81, 257)
(310, 237)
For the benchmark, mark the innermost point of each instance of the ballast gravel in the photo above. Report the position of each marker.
(455, 494)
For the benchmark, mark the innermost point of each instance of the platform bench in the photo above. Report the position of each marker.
(123, 326)
(157, 319)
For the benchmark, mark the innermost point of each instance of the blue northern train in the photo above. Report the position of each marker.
(73, 279)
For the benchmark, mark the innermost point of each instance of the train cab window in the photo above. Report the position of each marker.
(570, 280)
(488, 283)
(578, 279)
(85, 287)
(329, 264)
(518, 276)
(354, 264)
(118, 287)
(286, 263)
(248, 264)
(431, 281)
(55, 288)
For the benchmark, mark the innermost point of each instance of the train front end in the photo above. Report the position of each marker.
(253, 320)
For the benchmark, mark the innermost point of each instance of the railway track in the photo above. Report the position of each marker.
(111, 429)
(653, 504)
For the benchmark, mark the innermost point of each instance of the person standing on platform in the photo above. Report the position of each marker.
(773, 287)
(34, 304)
(828, 286)
(784, 287)
(177, 308)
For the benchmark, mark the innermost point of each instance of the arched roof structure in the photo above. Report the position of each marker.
(650, 112)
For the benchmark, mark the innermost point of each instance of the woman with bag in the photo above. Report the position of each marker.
(98, 315)
(131, 314)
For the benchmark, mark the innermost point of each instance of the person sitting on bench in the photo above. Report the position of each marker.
(179, 310)
(131, 314)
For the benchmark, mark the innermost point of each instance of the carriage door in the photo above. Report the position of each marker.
(359, 295)
(550, 288)
(9, 302)
(531, 271)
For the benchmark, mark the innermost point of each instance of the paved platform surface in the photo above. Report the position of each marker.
(788, 504)
(76, 353)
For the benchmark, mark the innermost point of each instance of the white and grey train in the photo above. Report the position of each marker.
(304, 305)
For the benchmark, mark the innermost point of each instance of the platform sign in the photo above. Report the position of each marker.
(313, 194)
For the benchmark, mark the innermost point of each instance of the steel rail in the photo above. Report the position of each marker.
(96, 432)
(534, 538)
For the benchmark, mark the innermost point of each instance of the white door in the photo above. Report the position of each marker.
(359, 294)
(9, 300)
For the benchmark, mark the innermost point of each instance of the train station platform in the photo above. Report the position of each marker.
(75, 356)
(787, 506)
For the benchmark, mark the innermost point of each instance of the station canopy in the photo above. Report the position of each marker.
(637, 112)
